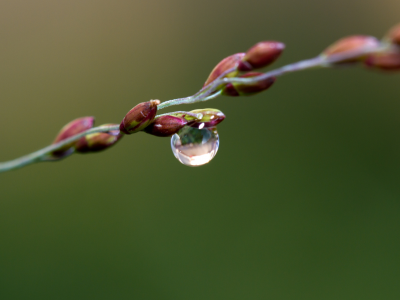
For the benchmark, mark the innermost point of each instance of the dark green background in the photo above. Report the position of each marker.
(301, 202)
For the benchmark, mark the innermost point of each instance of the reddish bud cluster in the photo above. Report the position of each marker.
(385, 57)
(98, 141)
(139, 117)
(260, 55)
(72, 128)
(351, 43)
(89, 143)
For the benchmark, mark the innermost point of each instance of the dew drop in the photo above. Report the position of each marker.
(195, 147)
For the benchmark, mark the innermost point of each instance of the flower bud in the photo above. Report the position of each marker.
(224, 65)
(210, 118)
(247, 89)
(167, 125)
(352, 43)
(98, 141)
(393, 35)
(72, 128)
(139, 117)
(384, 61)
(261, 55)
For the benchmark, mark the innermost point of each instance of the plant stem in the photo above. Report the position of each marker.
(208, 92)
(188, 100)
(38, 155)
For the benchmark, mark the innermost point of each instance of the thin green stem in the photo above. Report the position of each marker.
(38, 155)
(208, 92)
(192, 99)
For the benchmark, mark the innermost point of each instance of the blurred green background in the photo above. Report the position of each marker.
(302, 200)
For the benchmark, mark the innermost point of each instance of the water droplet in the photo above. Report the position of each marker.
(195, 147)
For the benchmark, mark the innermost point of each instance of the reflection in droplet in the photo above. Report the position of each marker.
(195, 147)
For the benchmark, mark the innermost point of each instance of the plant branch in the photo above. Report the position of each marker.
(208, 92)
(40, 154)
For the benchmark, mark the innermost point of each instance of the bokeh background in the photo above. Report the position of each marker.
(302, 200)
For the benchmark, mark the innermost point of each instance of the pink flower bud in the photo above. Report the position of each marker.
(72, 128)
(166, 125)
(211, 117)
(139, 117)
(384, 61)
(261, 55)
(98, 141)
(248, 89)
(224, 65)
(352, 43)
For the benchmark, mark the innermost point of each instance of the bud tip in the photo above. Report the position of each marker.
(155, 102)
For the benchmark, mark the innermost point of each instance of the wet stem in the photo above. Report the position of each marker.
(211, 91)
